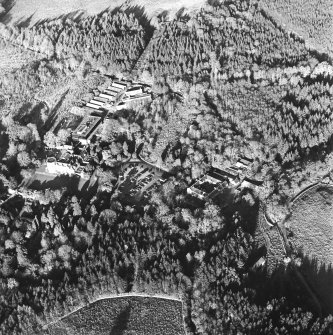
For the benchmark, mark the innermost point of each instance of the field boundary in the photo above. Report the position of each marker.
(300, 193)
(122, 295)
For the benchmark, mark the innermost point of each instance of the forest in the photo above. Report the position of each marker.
(227, 81)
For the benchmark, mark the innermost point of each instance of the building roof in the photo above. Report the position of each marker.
(92, 105)
(227, 172)
(87, 127)
(248, 159)
(254, 182)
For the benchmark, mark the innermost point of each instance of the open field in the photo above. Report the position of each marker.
(36, 10)
(311, 226)
(311, 223)
(12, 57)
(312, 20)
(125, 315)
(42, 180)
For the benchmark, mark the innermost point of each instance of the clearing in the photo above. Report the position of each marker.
(13, 57)
(311, 223)
(124, 315)
(36, 10)
(312, 20)
(310, 232)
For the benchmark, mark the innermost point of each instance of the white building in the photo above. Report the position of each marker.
(119, 84)
(134, 91)
(91, 105)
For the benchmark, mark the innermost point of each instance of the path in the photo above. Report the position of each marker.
(300, 193)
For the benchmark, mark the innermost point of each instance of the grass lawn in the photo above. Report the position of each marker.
(12, 58)
(311, 227)
(124, 315)
(311, 223)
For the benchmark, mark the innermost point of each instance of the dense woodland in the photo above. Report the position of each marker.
(240, 85)
(77, 249)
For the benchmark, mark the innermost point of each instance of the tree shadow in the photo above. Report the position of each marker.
(314, 294)
(121, 322)
(54, 114)
(319, 277)
(140, 13)
(7, 5)
(24, 22)
(58, 182)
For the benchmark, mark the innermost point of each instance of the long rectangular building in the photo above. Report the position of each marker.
(89, 104)
(120, 84)
(97, 102)
(114, 89)
(86, 129)
(107, 96)
(113, 93)
(100, 99)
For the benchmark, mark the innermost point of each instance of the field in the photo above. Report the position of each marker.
(311, 226)
(312, 20)
(36, 10)
(12, 57)
(311, 223)
(125, 315)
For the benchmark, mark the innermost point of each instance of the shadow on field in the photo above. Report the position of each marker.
(319, 276)
(7, 5)
(74, 184)
(286, 282)
(121, 322)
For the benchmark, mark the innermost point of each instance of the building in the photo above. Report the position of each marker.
(114, 89)
(92, 105)
(120, 84)
(111, 92)
(142, 97)
(244, 163)
(253, 183)
(100, 99)
(195, 192)
(87, 129)
(97, 102)
(205, 187)
(133, 91)
(230, 173)
(107, 96)
(121, 105)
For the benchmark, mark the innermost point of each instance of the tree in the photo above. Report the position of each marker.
(23, 159)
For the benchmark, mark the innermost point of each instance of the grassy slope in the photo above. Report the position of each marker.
(311, 223)
(128, 315)
(313, 20)
(36, 10)
(12, 57)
